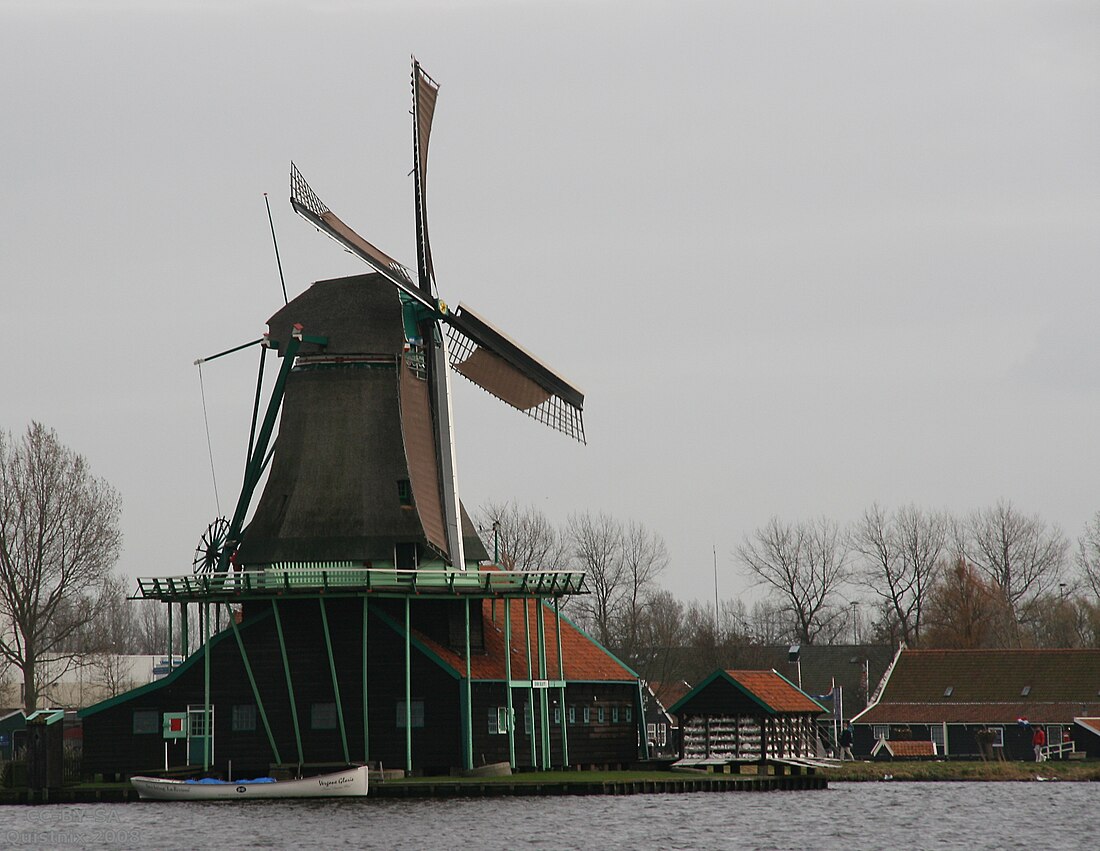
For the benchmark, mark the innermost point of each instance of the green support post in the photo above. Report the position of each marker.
(561, 676)
(530, 685)
(185, 639)
(408, 694)
(206, 725)
(544, 693)
(641, 723)
(289, 684)
(255, 688)
(508, 681)
(468, 739)
(170, 645)
(366, 705)
(335, 682)
(255, 465)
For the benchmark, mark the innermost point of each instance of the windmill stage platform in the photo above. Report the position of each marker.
(346, 580)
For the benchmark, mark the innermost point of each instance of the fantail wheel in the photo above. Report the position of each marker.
(211, 545)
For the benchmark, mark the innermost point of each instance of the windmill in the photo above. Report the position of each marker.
(471, 346)
(391, 316)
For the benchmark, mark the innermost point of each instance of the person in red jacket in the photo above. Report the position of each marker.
(1038, 739)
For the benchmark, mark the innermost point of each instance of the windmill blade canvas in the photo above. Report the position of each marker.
(494, 362)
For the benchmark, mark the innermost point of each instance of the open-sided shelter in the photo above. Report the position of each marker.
(746, 716)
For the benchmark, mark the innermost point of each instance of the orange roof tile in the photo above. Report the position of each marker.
(583, 657)
(775, 691)
(905, 748)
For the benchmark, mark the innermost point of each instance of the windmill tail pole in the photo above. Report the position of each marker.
(275, 242)
(201, 361)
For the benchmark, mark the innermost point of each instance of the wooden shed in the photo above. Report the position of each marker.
(746, 716)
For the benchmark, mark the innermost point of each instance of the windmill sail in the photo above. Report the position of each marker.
(425, 92)
(493, 361)
(420, 451)
(311, 208)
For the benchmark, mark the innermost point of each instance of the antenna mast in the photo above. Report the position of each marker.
(275, 242)
(714, 549)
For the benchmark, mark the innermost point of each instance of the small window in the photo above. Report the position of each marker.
(244, 718)
(146, 721)
(614, 714)
(651, 732)
(599, 715)
(629, 713)
(322, 716)
(572, 715)
(417, 713)
(404, 492)
(1025, 691)
(998, 736)
(197, 724)
(662, 734)
(498, 720)
(588, 715)
(947, 692)
(528, 718)
(557, 714)
(881, 731)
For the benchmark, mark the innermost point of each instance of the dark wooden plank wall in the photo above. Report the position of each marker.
(111, 748)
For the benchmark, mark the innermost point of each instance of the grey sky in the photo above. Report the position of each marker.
(800, 256)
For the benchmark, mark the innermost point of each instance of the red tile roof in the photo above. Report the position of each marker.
(583, 657)
(987, 687)
(995, 675)
(974, 713)
(775, 691)
(903, 748)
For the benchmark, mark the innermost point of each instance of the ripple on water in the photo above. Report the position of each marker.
(973, 816)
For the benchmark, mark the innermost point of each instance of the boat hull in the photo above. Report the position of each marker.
(341, 784)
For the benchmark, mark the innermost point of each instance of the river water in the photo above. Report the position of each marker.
(886, 815)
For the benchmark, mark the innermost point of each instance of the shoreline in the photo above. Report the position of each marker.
(643, 782)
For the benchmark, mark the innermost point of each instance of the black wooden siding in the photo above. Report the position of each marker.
(111, 747)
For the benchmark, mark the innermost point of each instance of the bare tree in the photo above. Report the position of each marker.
(522, 538)
(151, 619)
(1021, 555)
(660, 639)
(805, 567)
(644, 557)
(900, 554)
(597, 548)
(1088, 554)
(59, 538)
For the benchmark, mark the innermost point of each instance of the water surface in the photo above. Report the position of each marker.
(972, 816)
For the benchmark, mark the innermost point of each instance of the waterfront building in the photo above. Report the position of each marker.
(957, 699)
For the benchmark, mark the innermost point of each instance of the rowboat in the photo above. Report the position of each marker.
(340, 784)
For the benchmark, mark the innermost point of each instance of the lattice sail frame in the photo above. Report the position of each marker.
(553, 411)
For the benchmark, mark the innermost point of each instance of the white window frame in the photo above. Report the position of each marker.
(938, 735)
(881, 731)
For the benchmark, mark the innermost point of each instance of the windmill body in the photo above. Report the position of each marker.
(355, 477)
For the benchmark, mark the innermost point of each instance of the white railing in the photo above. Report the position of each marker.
(1059, 750)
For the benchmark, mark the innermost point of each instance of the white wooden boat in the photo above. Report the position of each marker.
(340, 784)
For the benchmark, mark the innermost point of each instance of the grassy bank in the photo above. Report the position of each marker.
(964, 770)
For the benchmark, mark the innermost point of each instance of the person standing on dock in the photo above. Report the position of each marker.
(846, 737)
(1038, 740)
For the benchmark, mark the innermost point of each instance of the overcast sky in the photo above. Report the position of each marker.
(801, 256)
